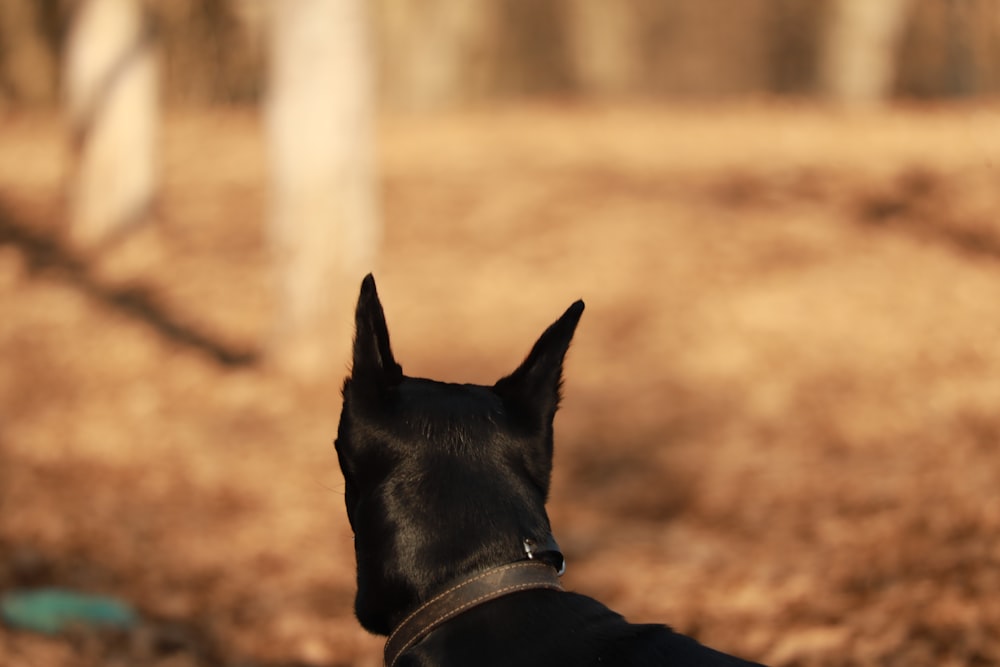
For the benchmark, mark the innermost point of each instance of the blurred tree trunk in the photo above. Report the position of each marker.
(605, 43)
(28, 73)
(437, 53)
(862, 43)
(324, 223)
(111, 89)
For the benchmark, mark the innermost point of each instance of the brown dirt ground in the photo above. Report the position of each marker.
(781, 418)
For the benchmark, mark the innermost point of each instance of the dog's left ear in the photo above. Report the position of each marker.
(533, 389)
(375, 370)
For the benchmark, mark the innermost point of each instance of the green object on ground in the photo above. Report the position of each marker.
(52, 610)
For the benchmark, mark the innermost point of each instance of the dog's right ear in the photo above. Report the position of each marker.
(535, 386)
(374, 370)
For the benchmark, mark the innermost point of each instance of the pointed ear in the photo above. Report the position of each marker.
(533, 389)
(374, 366)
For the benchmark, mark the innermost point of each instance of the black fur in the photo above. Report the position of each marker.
(443, 480)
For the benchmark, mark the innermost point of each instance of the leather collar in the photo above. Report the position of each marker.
(466, 594)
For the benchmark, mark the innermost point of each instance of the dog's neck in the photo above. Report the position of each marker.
(470, 592)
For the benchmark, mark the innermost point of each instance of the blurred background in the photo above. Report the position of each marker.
(780, 421)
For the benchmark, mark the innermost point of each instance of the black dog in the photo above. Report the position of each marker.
(445, 487)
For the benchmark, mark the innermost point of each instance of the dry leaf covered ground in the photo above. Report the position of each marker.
(780, 424)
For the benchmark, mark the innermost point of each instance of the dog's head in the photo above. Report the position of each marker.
(442, 479)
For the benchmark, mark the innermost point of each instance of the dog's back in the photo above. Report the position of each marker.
(445, 487)
(551, 628)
